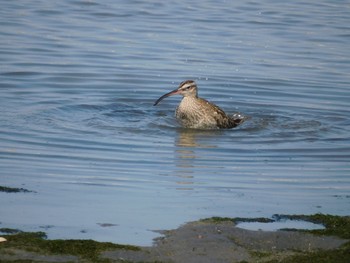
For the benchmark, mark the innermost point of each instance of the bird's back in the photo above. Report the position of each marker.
(199, 113)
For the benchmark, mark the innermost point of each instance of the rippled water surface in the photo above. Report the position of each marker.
(77, 125)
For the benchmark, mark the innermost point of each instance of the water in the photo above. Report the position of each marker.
(280, 225)
(78, 80)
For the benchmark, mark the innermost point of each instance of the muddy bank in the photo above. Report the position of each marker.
(210, 240)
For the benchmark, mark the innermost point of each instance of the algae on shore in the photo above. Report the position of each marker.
(209, 240)
(37, 243)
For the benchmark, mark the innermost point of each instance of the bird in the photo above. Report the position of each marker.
(198, 113)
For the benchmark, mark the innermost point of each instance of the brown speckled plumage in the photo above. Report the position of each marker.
(195, 112)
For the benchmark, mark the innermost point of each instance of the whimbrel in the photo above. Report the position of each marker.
(195, 112)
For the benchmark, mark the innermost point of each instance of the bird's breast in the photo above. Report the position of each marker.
(194, 113)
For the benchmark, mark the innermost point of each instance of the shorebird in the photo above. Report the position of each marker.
(195, 112)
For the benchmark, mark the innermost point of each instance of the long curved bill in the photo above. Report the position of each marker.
(174, 92)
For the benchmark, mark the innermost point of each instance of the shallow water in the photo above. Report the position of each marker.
(280, 225)
(78, 80)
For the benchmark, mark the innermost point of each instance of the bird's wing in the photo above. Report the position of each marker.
(221, 118)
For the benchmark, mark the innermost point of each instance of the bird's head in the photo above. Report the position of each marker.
(187, 88)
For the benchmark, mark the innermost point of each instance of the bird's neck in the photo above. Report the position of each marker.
(191, 96)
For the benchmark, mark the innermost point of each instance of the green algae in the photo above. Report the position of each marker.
(9, 230)
(341, 255)
(334, 226)
(86, 249)
(89, 250)
(236, 220)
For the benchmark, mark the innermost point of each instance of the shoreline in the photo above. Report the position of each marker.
(209, 240)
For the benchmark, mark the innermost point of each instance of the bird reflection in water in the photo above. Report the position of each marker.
(186, 144)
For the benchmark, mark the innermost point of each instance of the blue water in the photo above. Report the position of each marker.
(77, 127)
